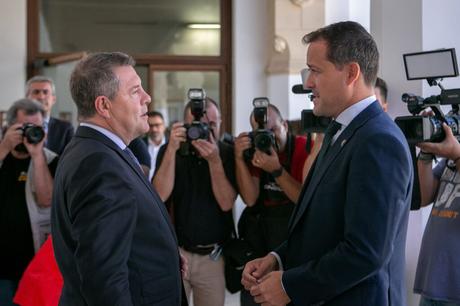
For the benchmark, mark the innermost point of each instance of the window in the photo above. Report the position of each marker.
(173, 42)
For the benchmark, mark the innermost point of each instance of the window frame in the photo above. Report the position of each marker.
(222, 62)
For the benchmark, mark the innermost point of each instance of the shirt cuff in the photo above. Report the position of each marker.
(280, 265)
(278, 259)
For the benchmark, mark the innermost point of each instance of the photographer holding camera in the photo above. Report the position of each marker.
(269, 182)
(26, 184)
(195, 176)
(437, 278)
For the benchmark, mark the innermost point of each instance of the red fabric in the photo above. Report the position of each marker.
(41, 283)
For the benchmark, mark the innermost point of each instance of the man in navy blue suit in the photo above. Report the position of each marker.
(346, 237)
(59, 132)
(112, 237)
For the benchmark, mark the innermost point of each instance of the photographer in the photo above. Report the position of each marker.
(26, 185)
(198, 184)
(438, 278)
(269, 184)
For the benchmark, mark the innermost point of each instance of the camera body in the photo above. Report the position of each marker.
(197, 129)
(423, 128)
(261, 138)
(33, 133)
(428, 128)
(310, 123)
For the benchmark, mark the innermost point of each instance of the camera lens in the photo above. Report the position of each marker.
(194, 132)
(263, 141)
(33, 133)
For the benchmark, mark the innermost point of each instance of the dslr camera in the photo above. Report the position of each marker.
(432, 66)
(33, 133)
(196, 129)
(261, 138)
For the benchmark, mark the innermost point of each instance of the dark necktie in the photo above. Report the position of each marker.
(331, 130)
(132, 156)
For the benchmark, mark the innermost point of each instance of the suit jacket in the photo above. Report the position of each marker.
(346, 241)
(59, 135)
(112, 237)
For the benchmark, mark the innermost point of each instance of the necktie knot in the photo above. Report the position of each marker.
(332, 129)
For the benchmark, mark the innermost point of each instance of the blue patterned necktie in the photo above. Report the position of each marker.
(132, 156)
(331, 130)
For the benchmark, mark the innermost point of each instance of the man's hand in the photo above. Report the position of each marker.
(448, 148)
(12, 137)
(177, 136)
(207, 149)
(35, 150)
(256, 269)
(242, 143)
(269, 291)
(268, 163)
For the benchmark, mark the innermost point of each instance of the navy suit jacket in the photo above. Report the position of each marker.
(112, 236)
(346, 241)
(59, 134)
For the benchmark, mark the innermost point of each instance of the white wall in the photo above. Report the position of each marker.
(12, 51)
(250, 55)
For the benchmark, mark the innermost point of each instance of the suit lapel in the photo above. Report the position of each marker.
(87, 132)
(311, 183)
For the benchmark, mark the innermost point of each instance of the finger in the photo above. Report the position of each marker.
(447, 130)
(255, 290)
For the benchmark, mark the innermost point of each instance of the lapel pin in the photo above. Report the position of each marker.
(343, 142)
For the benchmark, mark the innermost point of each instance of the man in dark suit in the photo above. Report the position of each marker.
(346, 237)
(42, 89)
(112, 237)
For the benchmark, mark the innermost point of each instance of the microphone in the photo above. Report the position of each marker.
(298, 89)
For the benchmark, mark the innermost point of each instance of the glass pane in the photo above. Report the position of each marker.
(173, 27)
(170, 91)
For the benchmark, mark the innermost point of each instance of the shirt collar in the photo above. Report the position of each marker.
(117, 140)
(346, 116)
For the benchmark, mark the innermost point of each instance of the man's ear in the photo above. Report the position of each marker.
(354, 71)
(103, 106)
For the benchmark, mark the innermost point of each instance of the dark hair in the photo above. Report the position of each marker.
(208, 102)
(94, 76)
(382, 85)
(155, 114)
(349, 42)
(29, 106)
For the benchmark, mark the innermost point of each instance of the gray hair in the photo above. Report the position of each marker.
(29, 106)
(40, 79)
(94, 76)
(347, 42)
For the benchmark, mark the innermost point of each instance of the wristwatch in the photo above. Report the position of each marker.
(277, 173)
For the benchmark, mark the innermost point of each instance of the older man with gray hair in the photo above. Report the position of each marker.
(42, 89)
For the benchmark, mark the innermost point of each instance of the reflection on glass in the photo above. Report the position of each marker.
(170, 90)
(173, 27)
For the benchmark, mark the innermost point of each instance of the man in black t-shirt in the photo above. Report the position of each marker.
(26, 186)
(200, 189)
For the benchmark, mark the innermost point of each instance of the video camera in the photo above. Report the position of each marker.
(33, 133)
(261, 138)
(432, 66)
(309, 122)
